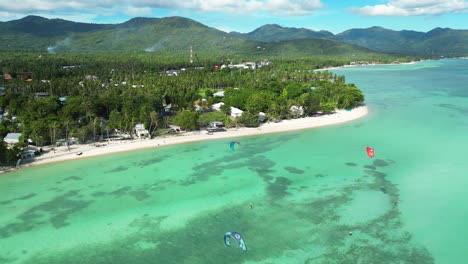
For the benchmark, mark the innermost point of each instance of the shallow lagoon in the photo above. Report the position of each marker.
(309, 189)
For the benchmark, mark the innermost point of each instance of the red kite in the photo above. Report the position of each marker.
(370, 152)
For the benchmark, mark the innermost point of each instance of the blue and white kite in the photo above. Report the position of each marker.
(232, 144)
(236, 237)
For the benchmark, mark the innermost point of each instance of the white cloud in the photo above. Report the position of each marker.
(54, 5)
(413, 8)
(70, 8)
(75, 10)
(281, 7)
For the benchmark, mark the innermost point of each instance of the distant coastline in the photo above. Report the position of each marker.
(91, 150)
(360, 65)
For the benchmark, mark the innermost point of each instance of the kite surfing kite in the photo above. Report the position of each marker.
(236, 237)
(232, 144)
(370, 152)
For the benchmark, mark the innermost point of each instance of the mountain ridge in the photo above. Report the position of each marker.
(35, 33)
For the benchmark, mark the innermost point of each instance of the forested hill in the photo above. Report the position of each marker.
(274, 32)
(170, 34)
(37, 33)
(439, 41)
(175, 34)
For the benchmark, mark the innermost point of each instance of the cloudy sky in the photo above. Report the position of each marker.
(246, 15)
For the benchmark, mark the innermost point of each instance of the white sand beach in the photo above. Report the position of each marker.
(359, 65)
(104, 148)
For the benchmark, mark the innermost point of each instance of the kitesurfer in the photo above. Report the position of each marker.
(250, 205)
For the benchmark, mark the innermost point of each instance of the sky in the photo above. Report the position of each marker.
(246, 15)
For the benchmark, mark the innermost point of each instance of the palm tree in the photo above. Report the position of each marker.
(95, 122)
(154, 121)
(66, 123)
(53, 128)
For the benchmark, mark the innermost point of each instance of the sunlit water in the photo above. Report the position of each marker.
(308, 189)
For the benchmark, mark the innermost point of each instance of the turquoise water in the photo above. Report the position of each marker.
(308, 189)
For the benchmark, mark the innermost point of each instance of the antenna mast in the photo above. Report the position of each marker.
(191, 57)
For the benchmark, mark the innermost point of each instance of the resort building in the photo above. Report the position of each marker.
(12, 138)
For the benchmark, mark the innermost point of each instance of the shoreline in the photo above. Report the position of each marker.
(363, 65)
(91, 150)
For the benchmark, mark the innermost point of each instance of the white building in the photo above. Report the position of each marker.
(261, 116)
(12, 138)
(219, 94)
(140, 131)
(236, 112)
(217, 107)
(216, 124)
(296, 110)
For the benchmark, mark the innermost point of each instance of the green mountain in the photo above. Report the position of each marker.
(170, 34)
(316, 47)
(447, 42)
(273, 32)
(37, 33)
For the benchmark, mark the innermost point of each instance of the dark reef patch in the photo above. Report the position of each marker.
(118, 169)
(121, 191)
(294, 170)
(72, 178)
(459, 109)
(380, 163)
(375, 173)
(317, 222)
(140, 195)
(279, 188)
(151, 161)
(55, 212)
(98, 194)
(351, 164)
(370, 167)
(25, 197)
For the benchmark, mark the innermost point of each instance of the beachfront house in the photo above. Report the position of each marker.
(296, 111)
(140, 131)
(235, 112)
(12, 138)
(216, 124)
(261, 116)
